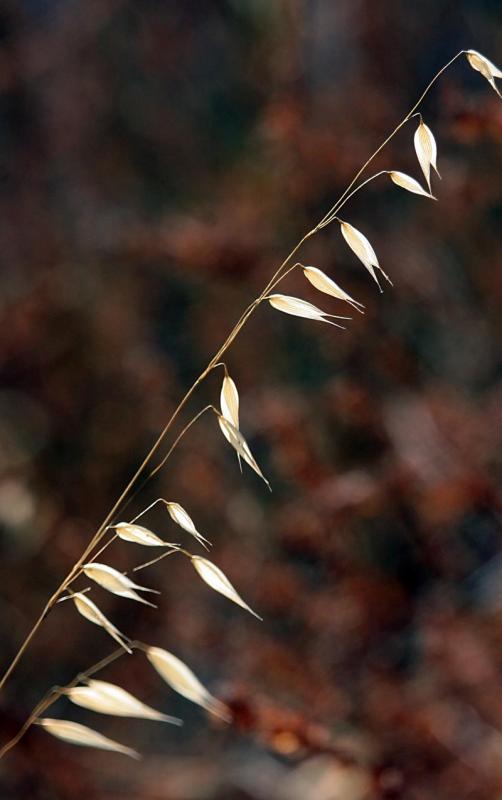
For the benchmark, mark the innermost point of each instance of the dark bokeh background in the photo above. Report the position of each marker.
(158, 159)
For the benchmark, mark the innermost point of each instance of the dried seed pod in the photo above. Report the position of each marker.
(229, 404)
(361, 246)
(301, 308)
(426, 150)
(107, 698)
(409, 183)
(74, 733)
(181, 518)
(130, 532)
(217, 580)
(238, 442)
(115, 582)
(229, 401)
(325, 284)
(90, 611)
(181, 678)
(485, 67)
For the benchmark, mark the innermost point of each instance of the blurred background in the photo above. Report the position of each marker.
(158, 160)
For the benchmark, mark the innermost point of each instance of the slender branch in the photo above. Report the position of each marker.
(277, 276)
(334, 209)
(328, 220)
(187, 427)
(46, 610)
(347, 194)
(147, 509)
(358, 188)
(152, 473)
(46, 701)
(159, 558)
(101, 550)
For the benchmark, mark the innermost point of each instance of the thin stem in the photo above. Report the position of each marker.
(15, 661)
(158, 558)
(46, 701)
(284, 275)
(93, 558)
(102, 549)
(277, 276)
(160, 465)
(221, 364)
(187, 427)
(329, 219)
(341, 199)
(147, 509)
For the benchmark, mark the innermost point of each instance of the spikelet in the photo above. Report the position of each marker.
(90, 611)
(229, 401)
(238, 442)
(217, 580)
(74, 733)
(130, 532)
(361, 246)
(115, 582)
(229, 404)
(426, 150)
(180, 678)
(409, 183)
(485, 67)
(107, 698)
(325, 284)
(301, 308)
(181, 518)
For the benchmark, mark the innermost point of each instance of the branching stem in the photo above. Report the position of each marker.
(278, 276)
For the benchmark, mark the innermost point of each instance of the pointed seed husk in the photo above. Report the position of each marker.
(301, 308)
(74, 733)
(91, 612)
(363, 249)
(229, 404)
(217, 580)
(115, 582)
(181, 518)
(325, 284)
(238, 442)
(483, 65)
(229, 401)
(130, 532)
(107, 698)
(181, 678)
(409, 183)
(426, 150)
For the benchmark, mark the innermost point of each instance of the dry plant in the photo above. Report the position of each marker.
(106, 698)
